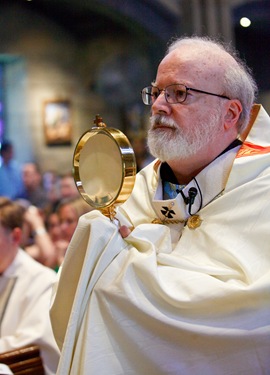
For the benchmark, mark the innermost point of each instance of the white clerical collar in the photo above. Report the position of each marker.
(209, 184)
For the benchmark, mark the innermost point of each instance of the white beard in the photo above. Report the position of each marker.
(178, 143)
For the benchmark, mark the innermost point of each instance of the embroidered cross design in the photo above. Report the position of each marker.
(167, 212)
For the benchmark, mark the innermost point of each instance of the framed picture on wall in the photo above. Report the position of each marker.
(57, 122)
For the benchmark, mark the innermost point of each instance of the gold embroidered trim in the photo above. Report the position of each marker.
(168, 221)
(192, 222)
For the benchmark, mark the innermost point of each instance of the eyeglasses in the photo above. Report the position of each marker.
(176, 93)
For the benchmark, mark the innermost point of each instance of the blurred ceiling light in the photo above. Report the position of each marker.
(245, 22)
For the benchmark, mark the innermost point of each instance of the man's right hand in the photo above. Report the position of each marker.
(124, 231)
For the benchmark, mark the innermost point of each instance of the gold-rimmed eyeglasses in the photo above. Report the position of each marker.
(176, 93)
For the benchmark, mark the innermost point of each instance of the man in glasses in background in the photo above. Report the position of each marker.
(187, 289)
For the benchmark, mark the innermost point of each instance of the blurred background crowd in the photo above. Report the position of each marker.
(51, 202)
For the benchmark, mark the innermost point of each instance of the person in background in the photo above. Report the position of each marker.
(25, 291)
(51, 182)
(61, 187)
(60, 245)
(68, 187)
(69, 211)
(11, 184)
(34, 190)
(184, 288)
(52, 223)
(36, 239)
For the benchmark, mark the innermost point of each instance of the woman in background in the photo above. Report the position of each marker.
(69, 211)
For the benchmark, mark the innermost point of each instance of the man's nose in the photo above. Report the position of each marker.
(160, 105)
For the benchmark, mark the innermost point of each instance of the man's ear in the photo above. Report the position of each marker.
(233, 112)
(17, 235)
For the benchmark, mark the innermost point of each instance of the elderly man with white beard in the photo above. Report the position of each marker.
(183, 287)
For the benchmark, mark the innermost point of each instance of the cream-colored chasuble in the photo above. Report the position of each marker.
(168, 299)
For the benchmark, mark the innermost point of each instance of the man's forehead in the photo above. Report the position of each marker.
(190, 66)
(182, 72)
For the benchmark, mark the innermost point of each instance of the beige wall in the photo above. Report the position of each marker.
(51, 64)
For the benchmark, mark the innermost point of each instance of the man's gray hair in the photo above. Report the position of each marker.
(237, 80)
